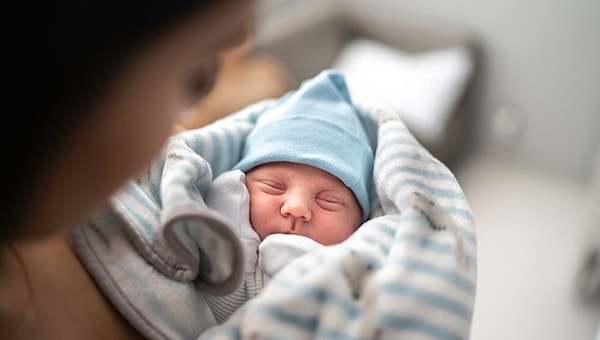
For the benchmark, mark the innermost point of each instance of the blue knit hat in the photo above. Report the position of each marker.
(315, 125)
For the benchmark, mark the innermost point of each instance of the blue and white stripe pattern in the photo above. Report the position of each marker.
(409, 272)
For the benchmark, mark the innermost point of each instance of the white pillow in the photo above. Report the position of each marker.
(423, 88)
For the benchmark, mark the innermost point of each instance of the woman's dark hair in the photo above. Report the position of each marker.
(60, 57)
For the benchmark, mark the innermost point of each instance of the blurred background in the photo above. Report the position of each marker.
(506, 93)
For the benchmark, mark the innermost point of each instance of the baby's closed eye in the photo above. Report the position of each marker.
(329, 202)
(271, 187)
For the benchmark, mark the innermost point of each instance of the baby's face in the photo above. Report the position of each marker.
(290, 198)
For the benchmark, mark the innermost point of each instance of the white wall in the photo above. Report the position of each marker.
(595, 189)
(543, 59)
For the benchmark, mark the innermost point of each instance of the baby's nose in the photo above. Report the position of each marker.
(297, 207)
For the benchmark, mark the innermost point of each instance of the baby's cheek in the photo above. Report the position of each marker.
(262, 220)
(345, 227)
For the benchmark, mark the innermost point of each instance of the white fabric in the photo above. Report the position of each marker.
(228, 195)
(278, 250)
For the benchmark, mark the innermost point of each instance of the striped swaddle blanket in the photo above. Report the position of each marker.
(409, 272)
